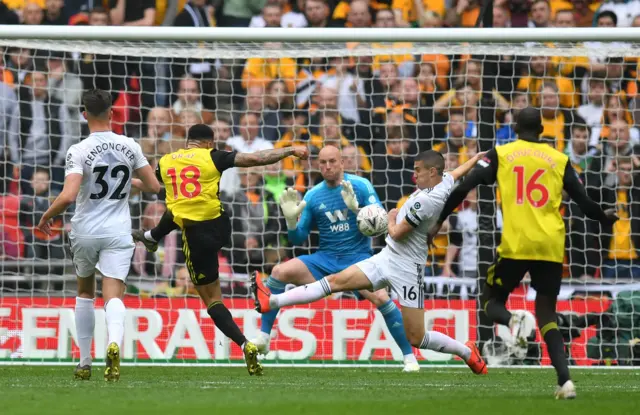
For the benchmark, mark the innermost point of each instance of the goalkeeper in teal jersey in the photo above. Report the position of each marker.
(331, 207)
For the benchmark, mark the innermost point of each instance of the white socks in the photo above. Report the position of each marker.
(301, 295)
(148, 237)
(85, 325)
(115, 313)
(439, 342)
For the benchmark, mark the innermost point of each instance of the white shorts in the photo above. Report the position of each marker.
(387, 269)
(111, 256)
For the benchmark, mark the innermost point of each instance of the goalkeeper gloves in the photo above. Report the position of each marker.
(291, 207)
(349, 196)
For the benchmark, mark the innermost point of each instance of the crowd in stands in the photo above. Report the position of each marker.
(381, 110)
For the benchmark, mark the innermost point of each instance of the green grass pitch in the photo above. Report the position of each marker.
(230, 391)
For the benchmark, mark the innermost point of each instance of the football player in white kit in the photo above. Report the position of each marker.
(98, 175)
(400, 265)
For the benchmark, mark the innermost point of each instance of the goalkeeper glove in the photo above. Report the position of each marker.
(291, 207)
(349, 196)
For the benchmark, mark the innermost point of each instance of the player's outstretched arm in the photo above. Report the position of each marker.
(576, 191)
(262, 158)
(68, 196)
(462, 170)
(484, 173)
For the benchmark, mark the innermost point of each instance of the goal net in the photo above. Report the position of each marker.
(382, 98)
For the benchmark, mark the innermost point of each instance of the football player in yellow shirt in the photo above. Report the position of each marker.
(531, 177)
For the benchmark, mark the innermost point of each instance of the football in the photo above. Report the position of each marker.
(372, 220)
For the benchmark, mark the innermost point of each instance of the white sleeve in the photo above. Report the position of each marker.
(429, 204)
(73, 163)
(140, 160)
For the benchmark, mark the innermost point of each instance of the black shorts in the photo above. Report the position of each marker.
(201, 242)
(505, 274)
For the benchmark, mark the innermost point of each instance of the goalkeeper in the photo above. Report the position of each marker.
(332, 208)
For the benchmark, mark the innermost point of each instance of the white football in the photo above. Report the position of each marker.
(372, 220)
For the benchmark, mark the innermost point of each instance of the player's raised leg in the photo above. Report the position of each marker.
(150, 238)
(393, 318)
(351, 279)
(294, 271)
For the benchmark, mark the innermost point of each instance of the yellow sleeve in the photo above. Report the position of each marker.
(341, 11)
(365, 163)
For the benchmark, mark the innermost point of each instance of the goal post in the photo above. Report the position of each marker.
(382, 96)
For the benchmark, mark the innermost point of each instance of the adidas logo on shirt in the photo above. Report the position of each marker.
(323, 206)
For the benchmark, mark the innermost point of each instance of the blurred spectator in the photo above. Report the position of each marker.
(188, 96)
(580, 154)
(287, 18)
(616, 109)
(132, 12)
(393, 168)
(38, 131)
(501, 17)
(194, 14)
(458, 132)
(540, 14)
(158, 141)
(67, 88)
(248, 141)
(317, 13)
(464, 14)
(138, 13)
(32, 207)
(583, 13)
(385, 19)
(593, 109)
(556, 121)
(101, 71)
(254, 216)
(162, 262)
(621, 243)
(541, 71)
(188, 118)
(238, 13)
(506, 133)
(178, 287)
(32, 14)
(271, 16)
(564, 19)
(8, 109)
(55, 13)
(254, 101)
(624, 11)
(279, 102)
(205, 71)
(359, 15)
(8, 16)
(349, 88)
(221, 133)
(229, 182)
(259, 71)
(20, 63)
(606, 18)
